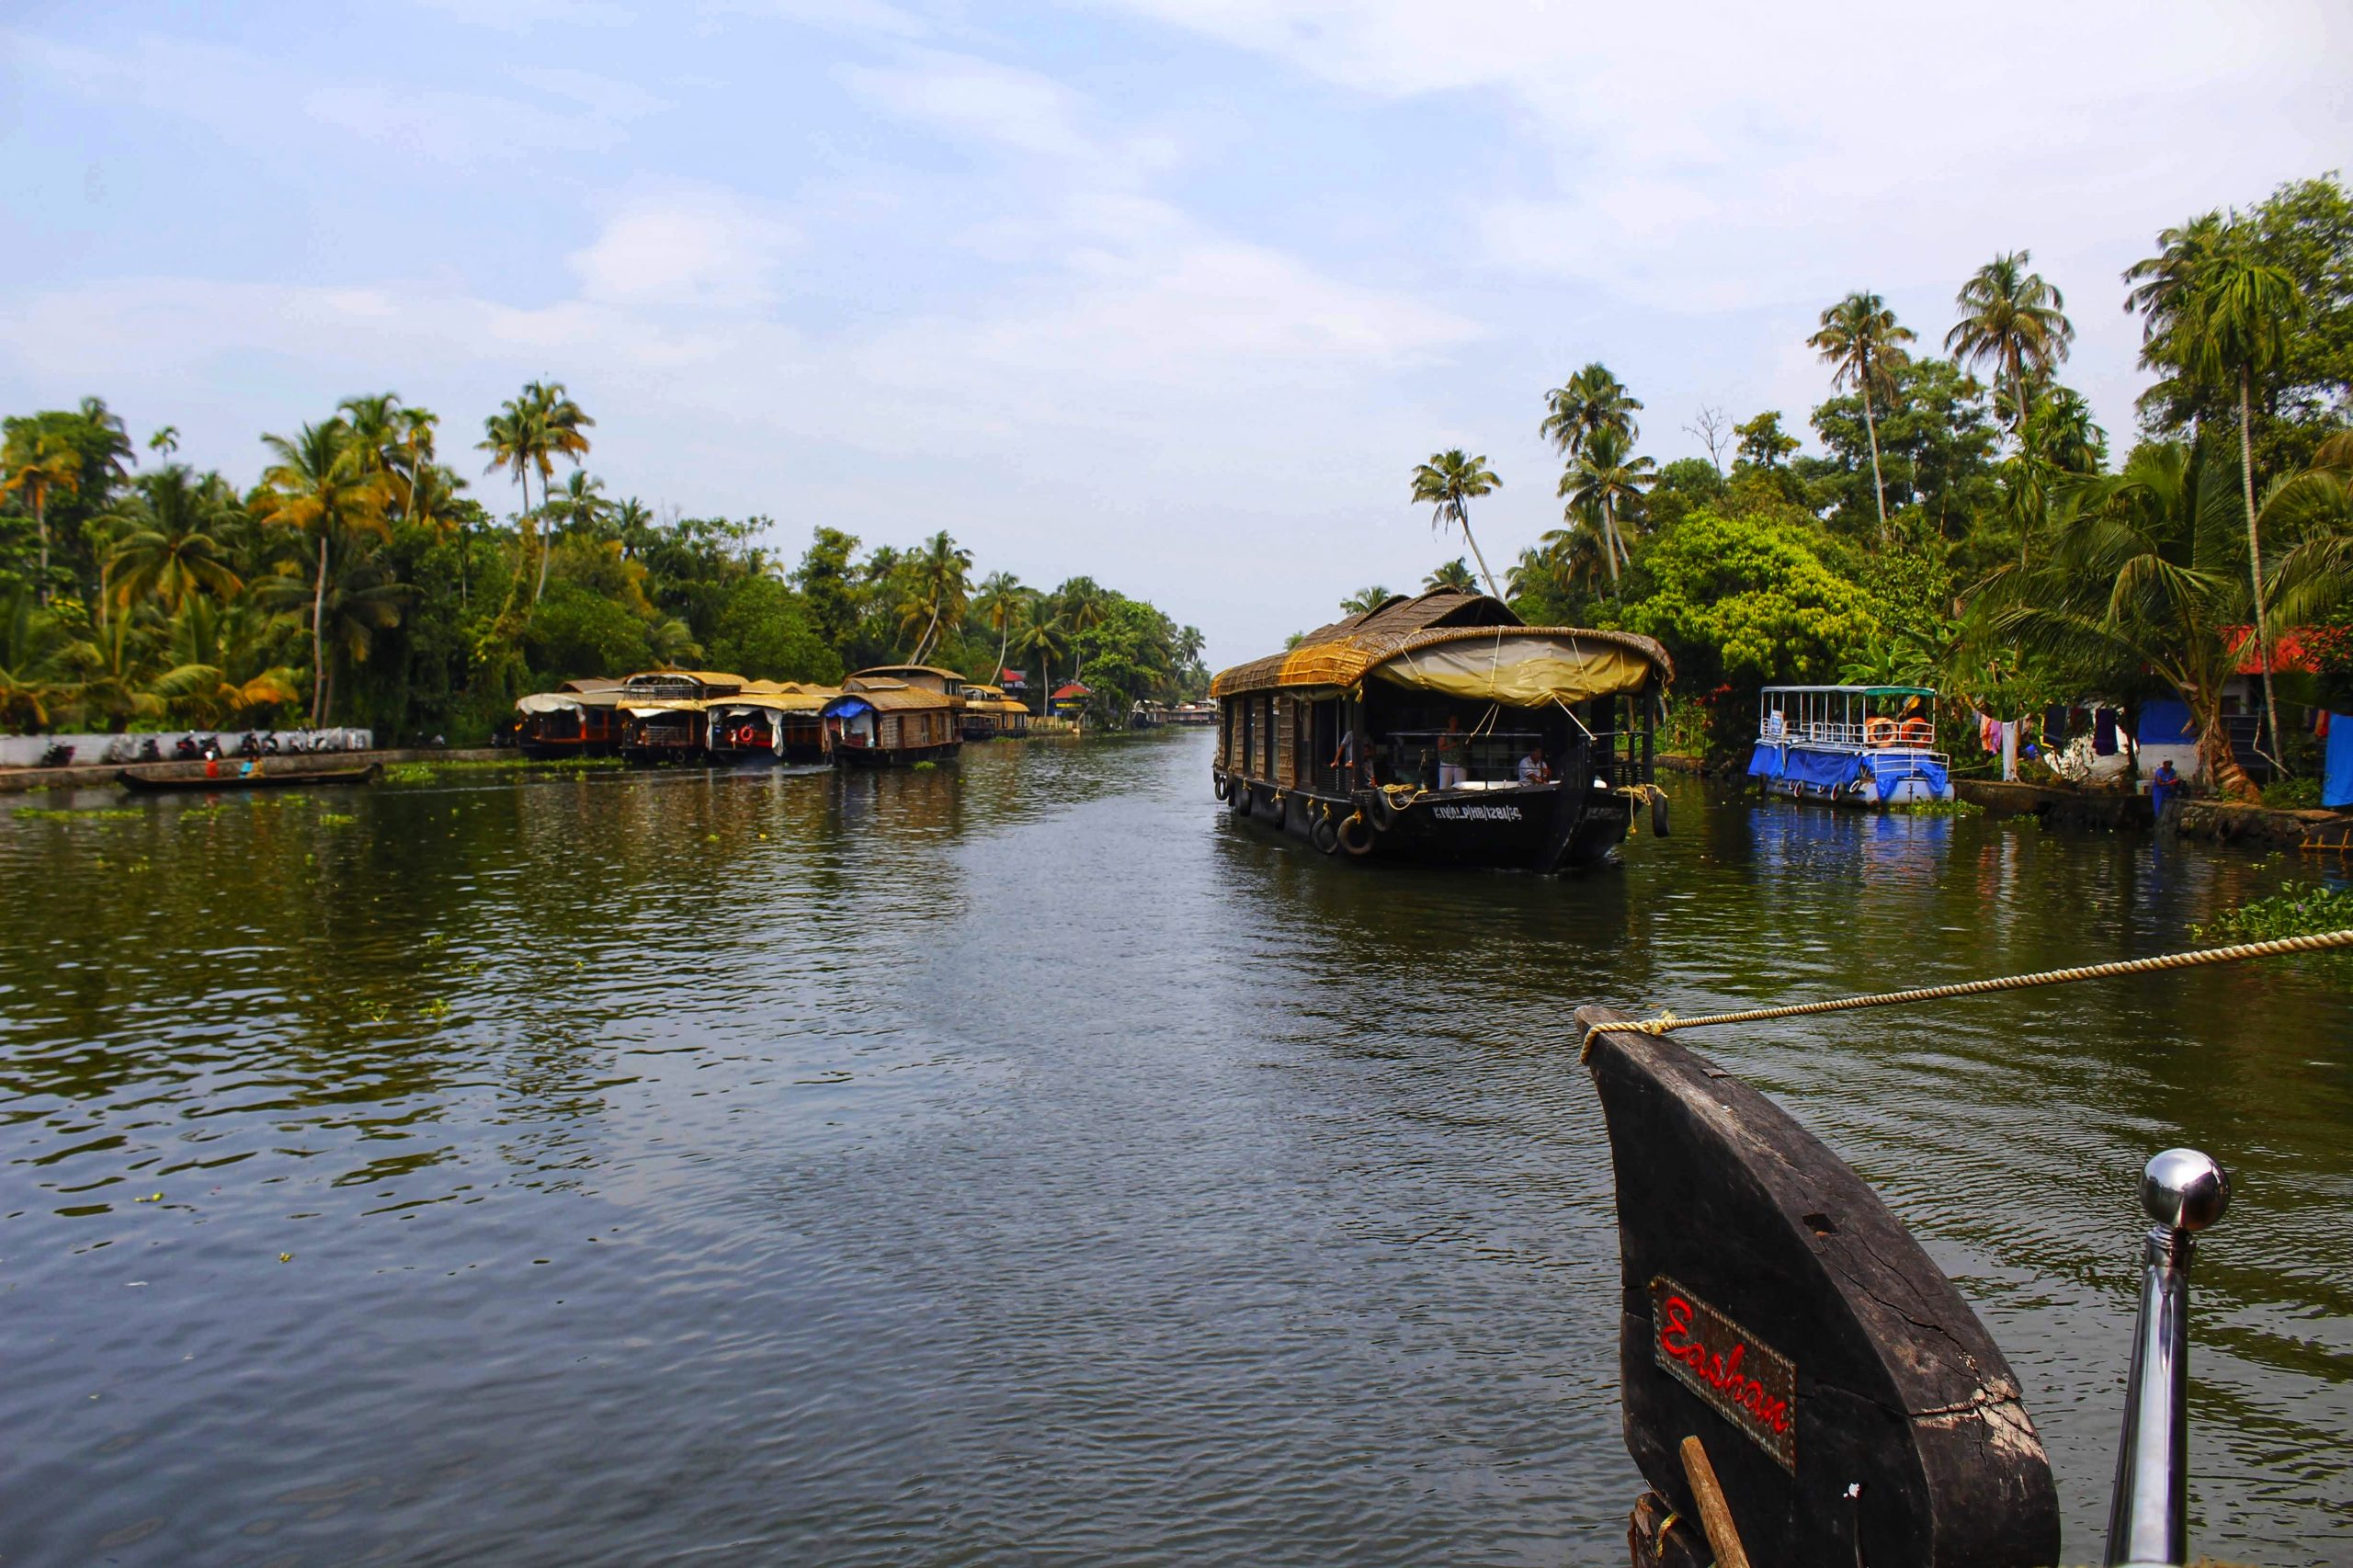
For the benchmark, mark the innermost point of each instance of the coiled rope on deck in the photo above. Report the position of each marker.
(1667, 1022)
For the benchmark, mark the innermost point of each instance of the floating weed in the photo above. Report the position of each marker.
(375, 1012)
(409, 773)
(49, 813)
(336, 819)
(437, 1009)
(2297, 909)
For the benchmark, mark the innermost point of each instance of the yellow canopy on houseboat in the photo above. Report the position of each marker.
(1459, 644)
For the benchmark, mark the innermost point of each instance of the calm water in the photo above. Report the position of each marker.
(1021, 1163)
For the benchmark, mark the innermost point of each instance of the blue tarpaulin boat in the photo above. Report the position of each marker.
(1850, 745)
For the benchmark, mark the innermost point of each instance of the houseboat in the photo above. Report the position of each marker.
(768, 721)
(1442, 729)
(662, 712)
(880, 721)
(582, 718)
(990, 713)
(1850, 745)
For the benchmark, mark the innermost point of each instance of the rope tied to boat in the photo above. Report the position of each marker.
(1666, 1022)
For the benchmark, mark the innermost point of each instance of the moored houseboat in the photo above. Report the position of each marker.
(1442, 729)
(582, 718)
(768, 721)
(1850, 745)
(881, 721)
(662, 712)
(990, 714)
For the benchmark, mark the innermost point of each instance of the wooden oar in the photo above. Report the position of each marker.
(1715, 1515)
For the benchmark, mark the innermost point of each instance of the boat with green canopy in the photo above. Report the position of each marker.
(1442, 729)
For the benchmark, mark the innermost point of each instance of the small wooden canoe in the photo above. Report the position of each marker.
(266, 778)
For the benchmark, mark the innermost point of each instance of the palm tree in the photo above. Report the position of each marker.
(1364, 601)
(580, 508)
(2143, 575)
(219, 672)
(171, 550)
(2312, 512)
(2013, 318)
(1455, 574)
(118, 671)
(1575, 555)
(2161, 289)
(1864, 346)
(2235, 324)
(526, 434)
(35, 465)
(942, 587)
(33, 664)
(1046, 636)
(1601, 477)
(317, 487)
(1002, 601)
(1592, 400)
(1446, 483)
(166, 440)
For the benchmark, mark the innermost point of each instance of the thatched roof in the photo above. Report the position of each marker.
(888, 696)
(1398, 632)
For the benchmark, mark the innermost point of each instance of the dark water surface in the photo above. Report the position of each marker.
(1021, 1162)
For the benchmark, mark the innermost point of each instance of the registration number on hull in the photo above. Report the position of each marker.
(1478, 813)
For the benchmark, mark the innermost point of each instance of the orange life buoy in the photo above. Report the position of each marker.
(1878, 731)
(1916, 732)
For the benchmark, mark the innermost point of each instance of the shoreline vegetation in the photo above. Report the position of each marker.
(1969, 527)
(357, 584)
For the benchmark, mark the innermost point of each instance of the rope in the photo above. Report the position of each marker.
(1666, 1022)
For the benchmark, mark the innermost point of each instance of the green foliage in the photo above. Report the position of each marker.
(2297, 909)
(574, 632)
(764, 633)
(1740, 600)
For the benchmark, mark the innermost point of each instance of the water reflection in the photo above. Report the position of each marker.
(1024, 1156)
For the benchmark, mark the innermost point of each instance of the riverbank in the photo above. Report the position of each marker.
(18, 780)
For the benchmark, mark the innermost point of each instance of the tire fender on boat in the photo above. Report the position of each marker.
(1323, 834)
(1355, 835)
(1219, 784)
(1659, 825)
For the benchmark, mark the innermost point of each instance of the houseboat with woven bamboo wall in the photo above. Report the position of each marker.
(769, 722)
(582, 718)
(1441, 729)
(878, 722)
(989, 714)
(662, 712)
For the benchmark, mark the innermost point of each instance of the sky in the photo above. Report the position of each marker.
(1174, 293)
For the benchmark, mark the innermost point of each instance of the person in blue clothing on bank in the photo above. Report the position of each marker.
(2164, 785)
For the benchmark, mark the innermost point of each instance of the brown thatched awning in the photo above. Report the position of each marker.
(1462, 644)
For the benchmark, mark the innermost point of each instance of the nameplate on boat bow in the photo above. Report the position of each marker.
(1742, 1379)
(1476, 813)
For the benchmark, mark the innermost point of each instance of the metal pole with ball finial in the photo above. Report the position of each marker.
(2148, 1520)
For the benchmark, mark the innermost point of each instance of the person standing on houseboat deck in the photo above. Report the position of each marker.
(1533, 768)
(1453, 756)
(1343, 760)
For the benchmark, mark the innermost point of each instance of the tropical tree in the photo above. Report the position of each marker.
(166, 440)
(1862, 343)
(2011, 317)
(33, 672)
(1592, 400)
(1364, 601)
(1042, 641)
(363, 597)
(580, 508)
(1455, 574)
(117, 673)
(2235, 324)
(2143, 574)
(172, 547)
(2312, 514)
(34, 466)
(1763, 443)
(1002, 602)
(221, 671)
(525, 435)
(316, 488)
(1446, 484)
(942, 581)
(1602, 477)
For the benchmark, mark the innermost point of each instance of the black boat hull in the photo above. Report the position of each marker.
(1543, 828)
(146, 784)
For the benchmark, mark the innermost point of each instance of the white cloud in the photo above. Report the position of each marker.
(526, 15)
(685, 247)
(968, 96)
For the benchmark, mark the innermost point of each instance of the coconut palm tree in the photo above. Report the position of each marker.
(172, 550)
(117, 668)
(1864, 346)
(1604, 476)
(1591, 400)
(2013, 318)
(362, 598)
(34, 466)
(1364, 601)
(166, 440)
(316, 488)
(33, 672)
(221, 675)
(2311, 513)
(1446, 484)
(1001, 602)
(2234, 326)
(1455, 574)
(580, 508)
(942, 587)
(1045, 638)
(2143, 574)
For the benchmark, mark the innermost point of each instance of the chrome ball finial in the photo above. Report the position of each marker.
(2185, 1190)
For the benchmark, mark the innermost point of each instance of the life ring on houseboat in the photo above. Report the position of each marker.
(1360, 843)
(1878, 731)
(1916, 732)
(1323, 835)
